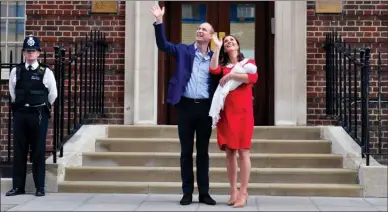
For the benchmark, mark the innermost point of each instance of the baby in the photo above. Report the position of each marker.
(219, 96)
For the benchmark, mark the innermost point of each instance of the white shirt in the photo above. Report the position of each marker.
(48, 81)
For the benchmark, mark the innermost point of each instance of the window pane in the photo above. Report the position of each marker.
(243, 27)
(3, 9)
(245, 11)
(16, 52)
(3, 30)
(193, 14)
(192, 11)
(16, 9)
(15, 30)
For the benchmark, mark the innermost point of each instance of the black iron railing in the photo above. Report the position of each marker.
(79, 72)
(351, 98)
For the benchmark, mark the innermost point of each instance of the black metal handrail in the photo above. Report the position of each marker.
(350, 98)
(80, 78)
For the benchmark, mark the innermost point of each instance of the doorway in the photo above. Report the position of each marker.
(249, 21)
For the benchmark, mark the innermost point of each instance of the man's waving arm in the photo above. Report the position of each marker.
(161, 40)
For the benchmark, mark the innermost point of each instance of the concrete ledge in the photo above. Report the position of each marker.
(372, 178)
(82, 141)
(6, 184)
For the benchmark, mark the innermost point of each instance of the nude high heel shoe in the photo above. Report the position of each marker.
(242, 200)
(233, 199)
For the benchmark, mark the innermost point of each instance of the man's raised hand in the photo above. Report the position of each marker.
(158, 13)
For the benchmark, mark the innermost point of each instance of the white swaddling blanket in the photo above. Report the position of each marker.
(220, 95)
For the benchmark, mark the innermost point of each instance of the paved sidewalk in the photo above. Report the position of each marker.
(153, 202)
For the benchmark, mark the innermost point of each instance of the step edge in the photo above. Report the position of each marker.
(215, 169)
(173, 154)
(212, 185)
(175, 140)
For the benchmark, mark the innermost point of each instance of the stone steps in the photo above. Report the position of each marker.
(173, 145)
(172, 174)
(276, 189)
(146, 159)
(171, 159)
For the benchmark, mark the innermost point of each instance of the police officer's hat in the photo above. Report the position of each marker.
(31, 43)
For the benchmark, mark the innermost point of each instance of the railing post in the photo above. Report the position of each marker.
(90, 72)
(75, 102)
(340, 73)
(81, 78)
(98, 71)
(9, 115)
(365, 103)
(103, 75)
(345, 99)
(86, 78)
(336, 100)
(62, 89)
(69, 82)
(56, 104)
(379, 93)
(362, 57)
(355, 93)
(328, 75)
(349, 71)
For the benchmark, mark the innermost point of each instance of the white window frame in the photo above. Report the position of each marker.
(5, 72)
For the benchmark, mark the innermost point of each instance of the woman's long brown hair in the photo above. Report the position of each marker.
(224, 57)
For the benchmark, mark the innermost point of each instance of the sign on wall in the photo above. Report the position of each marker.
(104, 6)
(328, 6)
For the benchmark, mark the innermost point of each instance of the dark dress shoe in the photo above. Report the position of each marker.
(40, 192)
(205, 198)
(187, 199)
(14, 192)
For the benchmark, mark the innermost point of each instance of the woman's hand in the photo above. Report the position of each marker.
(217, 41)
(216, 55)
(225, 79)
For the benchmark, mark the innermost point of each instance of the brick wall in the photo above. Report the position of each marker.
(361, 23)
(62, 23)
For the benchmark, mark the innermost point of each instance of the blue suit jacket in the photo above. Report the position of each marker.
(184, 57)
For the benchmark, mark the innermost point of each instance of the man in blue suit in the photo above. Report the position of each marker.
(190, 91)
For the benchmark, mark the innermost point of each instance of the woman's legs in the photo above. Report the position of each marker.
(231, 167)
(245, 170)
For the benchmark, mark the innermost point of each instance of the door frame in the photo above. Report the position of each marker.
(166, 63)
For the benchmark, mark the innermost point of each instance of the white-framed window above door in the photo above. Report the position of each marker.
(245, 10)
(242, 26)
(193, 14)
(13, 19)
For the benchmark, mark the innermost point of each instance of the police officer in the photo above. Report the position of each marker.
(33, 90)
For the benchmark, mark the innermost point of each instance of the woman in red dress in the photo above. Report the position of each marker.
(235, 127)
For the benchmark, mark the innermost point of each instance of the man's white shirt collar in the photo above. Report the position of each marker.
(34, 65)
(196, 48)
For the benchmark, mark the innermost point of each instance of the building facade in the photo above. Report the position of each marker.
(284, 37)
